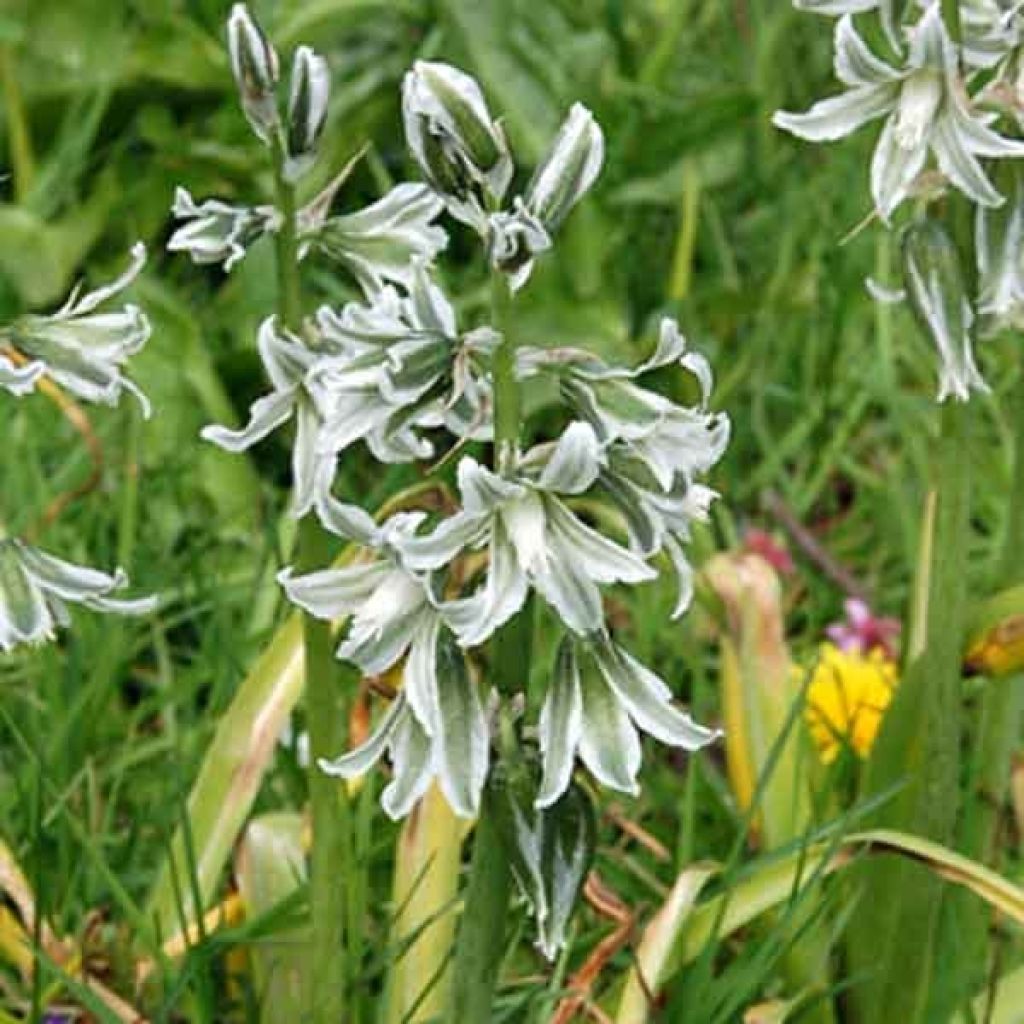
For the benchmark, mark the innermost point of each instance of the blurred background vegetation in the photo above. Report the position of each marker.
(703, 212)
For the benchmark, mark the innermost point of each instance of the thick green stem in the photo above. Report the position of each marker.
(325, 711)
(481, 932)
(480, 943)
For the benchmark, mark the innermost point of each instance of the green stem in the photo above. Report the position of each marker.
(480, 942)
(22, 158)
(951, 16)
(481, 932)
(325, 711)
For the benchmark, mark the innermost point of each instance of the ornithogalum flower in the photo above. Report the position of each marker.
(36, 588)
(436, 726)
(938, 298)
(378, 244)
(307, 110)
(79, 347)
(216, 232)
(255, 67)
(847, 698)
(599, 697)
(460, 149)
(564, 176)
(926, 108)
(532, 538)
(653, 450)
(287, 362)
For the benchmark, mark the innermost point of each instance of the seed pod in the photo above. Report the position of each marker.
(569, 169)
(255, 67)
(935, 289)
(307, 109)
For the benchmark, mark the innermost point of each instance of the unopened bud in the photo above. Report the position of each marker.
(307, 109)
(458, 146)
(935, 288)
(569, 169)
(255, 67)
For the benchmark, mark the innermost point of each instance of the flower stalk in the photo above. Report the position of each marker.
(325, 711)
(480, 944)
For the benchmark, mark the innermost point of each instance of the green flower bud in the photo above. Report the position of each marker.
(255, 67)
(569, 169)
(460, 149)
(307, 109)
(935, 288)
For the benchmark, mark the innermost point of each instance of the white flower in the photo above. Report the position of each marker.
(35, 589)
(561, 180)
(402, 364)
(533, 539)
(926, 110)
(458, 146)
(935, 289)
(287, 362)
(255, 67)
(79, 348)
(217, 232)
(569, 170)
(598, 698)
(307, 110)
(654, 449)
(436, 728)
(379, 243)
(999, 243)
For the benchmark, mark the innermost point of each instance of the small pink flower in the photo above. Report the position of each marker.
(760, 542)
(863, 631)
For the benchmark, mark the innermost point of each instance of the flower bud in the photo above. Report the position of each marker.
(568, 170)
(453, 138)
(307, 109)
(935, 289)
(255, 67)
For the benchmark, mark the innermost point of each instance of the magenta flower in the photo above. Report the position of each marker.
(863, 631)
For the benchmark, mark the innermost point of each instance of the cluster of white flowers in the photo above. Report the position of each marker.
(940, 93)
(81, 349)
(394, 369)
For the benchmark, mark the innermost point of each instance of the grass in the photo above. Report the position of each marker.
(704, 212)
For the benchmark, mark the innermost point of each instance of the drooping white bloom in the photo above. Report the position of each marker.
(655, 450)
(532, 538)
(287, 362)
(460, 149)
(36, 588)
(379, 243)
(307, 110)
(217, 232)
(436, 727)
(79, 348)
(999, 243)
(598, 698)
(938, 298)
(402, 364)
(926, 109)
(561, 180)
(255, 67)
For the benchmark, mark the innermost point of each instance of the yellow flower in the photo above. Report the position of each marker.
(846, 699)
